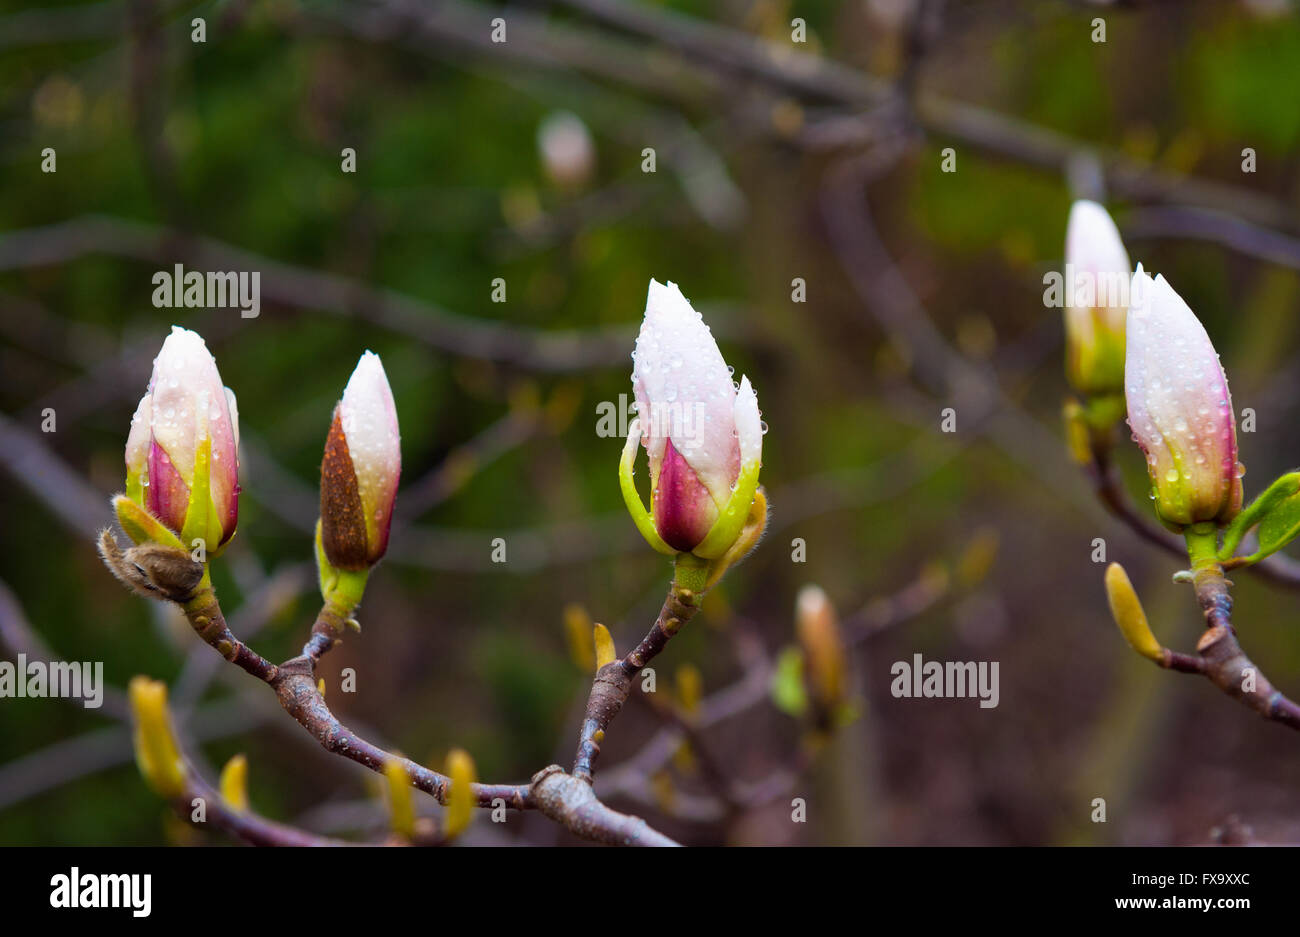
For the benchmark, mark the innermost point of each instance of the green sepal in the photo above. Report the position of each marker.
(326, 574)
(726, 529)
(342, 589)
(640, 516)
(201, 521)
(750, 534)
(141, 526)
(135, 486)
(1277, 514)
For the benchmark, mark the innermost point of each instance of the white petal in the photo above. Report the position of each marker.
(684, 391)
(233, 408)
(749, 426)
(369, 419)
(184, 376)
(137, 440)
(1178, 401)
(1092, 241)
(1095, 252)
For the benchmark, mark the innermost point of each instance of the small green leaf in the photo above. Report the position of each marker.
(1277, 514)
(788, 694)
(1278, 528)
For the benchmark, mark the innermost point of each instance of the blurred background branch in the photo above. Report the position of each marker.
(777, 161)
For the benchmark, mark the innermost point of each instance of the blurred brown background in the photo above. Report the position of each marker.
(775, 161)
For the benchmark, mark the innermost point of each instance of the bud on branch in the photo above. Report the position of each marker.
(1179, 408)
(824, 654)
(1095, 314)
(701, 431)
(359, 474)
(1126, 609)
(156, 752)
(182, 461)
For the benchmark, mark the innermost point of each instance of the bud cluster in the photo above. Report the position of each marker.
(1148, 345)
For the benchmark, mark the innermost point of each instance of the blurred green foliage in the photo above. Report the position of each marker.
(239, 140)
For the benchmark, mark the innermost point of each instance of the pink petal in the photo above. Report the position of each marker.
(168, 496)
(684, 392)
(684, 510)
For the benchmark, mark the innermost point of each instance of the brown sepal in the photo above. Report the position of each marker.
(343, 520)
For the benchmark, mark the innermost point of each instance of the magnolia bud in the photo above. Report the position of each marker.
(182, 460)
(363, 460)
(460, 792)
(823, 648)
(701, 431)
(234, 784)
(401, 806)
(1179, 408)
(1126, 609)
(1097, 271)
(156, 752)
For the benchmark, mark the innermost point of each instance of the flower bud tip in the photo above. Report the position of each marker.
(156, 752)
(1126, 609)
(460, 793)
(234, 784)
(604, 645)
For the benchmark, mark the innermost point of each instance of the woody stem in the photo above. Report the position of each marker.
(613, 683)
(1220, 658)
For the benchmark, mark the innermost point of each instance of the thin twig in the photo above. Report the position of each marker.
(302, 288)
(252, 828)
(563, 797)
(613, 683)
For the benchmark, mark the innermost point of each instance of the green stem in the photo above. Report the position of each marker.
(1202, 545)
(690, 573)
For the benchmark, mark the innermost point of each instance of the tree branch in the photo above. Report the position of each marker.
(564, 798)
(301, 288)
(1220, 659)
(613, 683)
(252, 828)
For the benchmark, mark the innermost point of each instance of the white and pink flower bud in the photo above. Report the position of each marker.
(182, 453)
(1095, 314)
(701, 431)
(359, 474)
(1179, 408)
